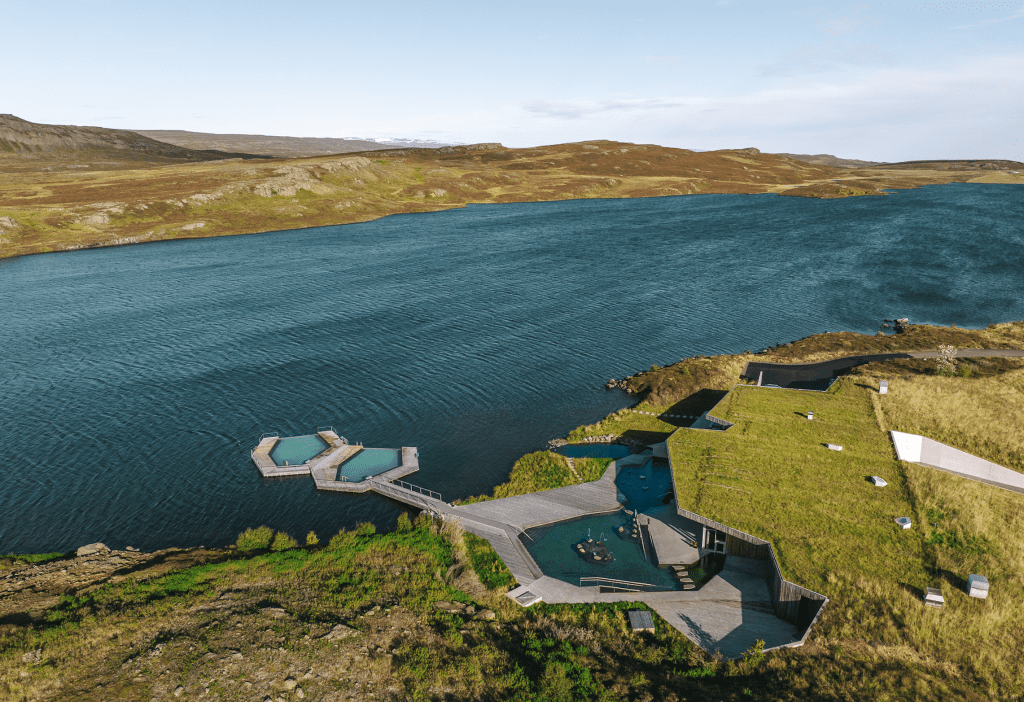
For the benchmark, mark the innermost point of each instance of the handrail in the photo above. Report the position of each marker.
(521, 531)
(640, 533)
(598, 579)
(417, 488)
(268, 434)
(320, 429)
(388, 486)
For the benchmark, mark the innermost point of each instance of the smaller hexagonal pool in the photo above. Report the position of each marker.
(296, 450)
(369, 462)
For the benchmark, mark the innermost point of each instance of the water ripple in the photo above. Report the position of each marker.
(134, 381)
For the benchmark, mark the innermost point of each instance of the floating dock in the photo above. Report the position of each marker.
(328, 467)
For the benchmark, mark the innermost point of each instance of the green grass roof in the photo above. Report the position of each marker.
(772, 476)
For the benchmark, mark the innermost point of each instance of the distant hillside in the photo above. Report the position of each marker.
(21, 139)
(280, 146)
(830, 160)
(959, 165)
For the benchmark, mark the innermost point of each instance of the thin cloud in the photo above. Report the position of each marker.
(995, 20)
(822, 58)
(579, 110)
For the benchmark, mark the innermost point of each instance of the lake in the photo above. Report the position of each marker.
(135, 380)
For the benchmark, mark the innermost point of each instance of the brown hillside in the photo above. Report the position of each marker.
(277, 146)
(32, 145)
(830, 160)
(170, 192)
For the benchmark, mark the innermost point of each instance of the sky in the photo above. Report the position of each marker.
(879, 81)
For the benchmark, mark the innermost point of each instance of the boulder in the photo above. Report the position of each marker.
(92, 549)
(485, 614)
(340, 631)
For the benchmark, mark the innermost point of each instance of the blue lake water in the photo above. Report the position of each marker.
(134, 381)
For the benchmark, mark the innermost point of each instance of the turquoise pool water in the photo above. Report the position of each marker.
(370, 462)
(594, 450)
(296, 450)
(553, 547)
(645, 486)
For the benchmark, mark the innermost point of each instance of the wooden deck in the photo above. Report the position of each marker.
(727, 615)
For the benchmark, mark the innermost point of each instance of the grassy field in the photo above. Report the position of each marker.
(978, 415)
(76, 201)
(386, 616)
(771, 475)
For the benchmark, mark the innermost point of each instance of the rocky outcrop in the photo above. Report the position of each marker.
(289, 180)
(92, 549)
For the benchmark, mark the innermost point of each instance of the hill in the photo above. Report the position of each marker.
(830, 160)
(64, 188)
(278, 146)
(41, 145)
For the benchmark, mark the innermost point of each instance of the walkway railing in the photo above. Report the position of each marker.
(417, 488)
(621, 584)
(401, 492)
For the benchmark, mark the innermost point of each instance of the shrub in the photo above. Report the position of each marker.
(343, 539)
(755, 654)
(254, 539)
(423, 521)
(945, 363)
(283, 542)
(403, 524)
(365, 529)
(555, 686)
(311, 539)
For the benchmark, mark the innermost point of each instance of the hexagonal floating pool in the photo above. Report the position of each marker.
(296, 450)
(369, 462)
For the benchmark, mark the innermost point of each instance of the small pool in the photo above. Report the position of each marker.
(370, 461)
(553, 547)
(646, 486)
(296, 450)
(594, 450)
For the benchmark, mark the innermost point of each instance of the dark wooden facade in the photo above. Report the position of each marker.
(793, 603)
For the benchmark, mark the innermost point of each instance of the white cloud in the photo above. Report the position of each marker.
(995, 20)
(819, 58)
(888, 114)
(576, 110)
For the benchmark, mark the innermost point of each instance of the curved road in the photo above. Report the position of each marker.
(816, 376)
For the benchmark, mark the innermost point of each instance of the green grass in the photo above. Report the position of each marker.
(35, 558)
(772, 476)
(833, 532)
(488, 566)
(591, 468)
(537, 471)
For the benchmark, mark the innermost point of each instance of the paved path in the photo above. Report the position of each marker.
(727, 615)
(815, 376)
